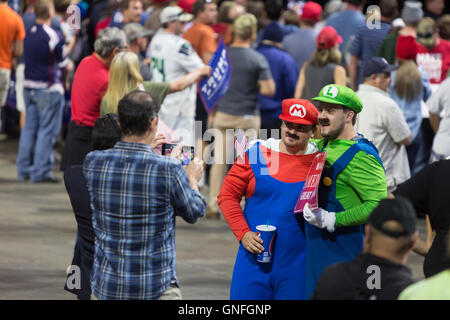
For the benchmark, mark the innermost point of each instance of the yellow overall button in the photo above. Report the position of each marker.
(327, 181)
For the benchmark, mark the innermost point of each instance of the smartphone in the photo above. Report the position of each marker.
(187, 152)
(187, 155)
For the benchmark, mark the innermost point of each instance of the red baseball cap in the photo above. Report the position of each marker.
(406, 48)
(186, 5)
(299, 111)
(328, 38)
(311, 11)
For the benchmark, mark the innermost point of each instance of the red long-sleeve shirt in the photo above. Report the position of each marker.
(240, 182)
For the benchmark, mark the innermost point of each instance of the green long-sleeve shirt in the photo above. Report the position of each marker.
(359, 187)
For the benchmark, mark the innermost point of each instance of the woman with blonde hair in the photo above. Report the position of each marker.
(125, 77)
(323, 68)
(410, 86)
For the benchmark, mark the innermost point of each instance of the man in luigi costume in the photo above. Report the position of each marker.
(353, 182)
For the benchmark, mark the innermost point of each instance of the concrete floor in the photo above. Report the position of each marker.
(37, 235)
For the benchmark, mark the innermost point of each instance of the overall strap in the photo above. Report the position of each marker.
(369, 148)
(328, 193)
(256, 159)
(344, 160)
(362, 145)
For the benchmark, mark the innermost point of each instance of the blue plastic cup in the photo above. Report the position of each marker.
(267, 234)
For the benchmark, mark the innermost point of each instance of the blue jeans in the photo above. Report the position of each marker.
(412, 150)
(42, 125)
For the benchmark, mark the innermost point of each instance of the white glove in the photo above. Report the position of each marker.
(319, 217)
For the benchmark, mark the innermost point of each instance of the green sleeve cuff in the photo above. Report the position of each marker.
(355, 216)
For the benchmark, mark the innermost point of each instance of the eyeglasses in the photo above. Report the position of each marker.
(298, 127)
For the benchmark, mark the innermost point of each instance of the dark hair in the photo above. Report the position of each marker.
(125, 4)
(346, 110)
(388, 8)
(291, 18)
(136, 110)
(62, 5)
(356, 3)
(273, 9)
(198, 6)
(444, 26)
(106, 132)
(257, 9)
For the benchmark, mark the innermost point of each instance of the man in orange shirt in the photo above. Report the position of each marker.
(201, 35)
(12, 34)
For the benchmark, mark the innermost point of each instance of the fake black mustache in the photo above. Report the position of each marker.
(324, 122)
(293, 136)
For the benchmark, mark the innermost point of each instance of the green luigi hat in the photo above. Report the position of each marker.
(336, 94)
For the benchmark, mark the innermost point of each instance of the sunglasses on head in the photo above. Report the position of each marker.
(424, 35)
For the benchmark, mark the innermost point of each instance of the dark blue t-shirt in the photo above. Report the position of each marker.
(44, 56)
(284, 72)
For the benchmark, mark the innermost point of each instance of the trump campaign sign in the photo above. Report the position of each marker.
(311, 186)
(214, 87)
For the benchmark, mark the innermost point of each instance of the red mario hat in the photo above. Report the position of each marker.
(299, 111)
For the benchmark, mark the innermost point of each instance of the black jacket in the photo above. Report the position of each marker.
(356, 280)
(428, 192)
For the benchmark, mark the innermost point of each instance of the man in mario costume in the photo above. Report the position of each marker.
(271, 176)
(352, 184)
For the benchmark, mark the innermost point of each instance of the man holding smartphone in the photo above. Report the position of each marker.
(135, 196)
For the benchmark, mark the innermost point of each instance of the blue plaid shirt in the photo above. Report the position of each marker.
(135, 196)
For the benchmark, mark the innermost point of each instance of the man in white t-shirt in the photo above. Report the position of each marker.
(171, 58)
(439, 106)
(382, 121)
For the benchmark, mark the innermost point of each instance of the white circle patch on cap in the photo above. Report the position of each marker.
(330, 91)
(297, 110)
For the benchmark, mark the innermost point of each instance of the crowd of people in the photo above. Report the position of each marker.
(115, 82)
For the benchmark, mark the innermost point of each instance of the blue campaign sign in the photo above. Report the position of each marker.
(216, 85)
